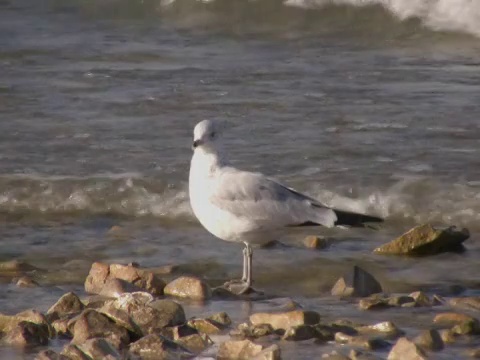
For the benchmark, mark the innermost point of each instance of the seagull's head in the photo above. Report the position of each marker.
(207, 134)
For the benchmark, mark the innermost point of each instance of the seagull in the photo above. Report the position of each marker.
(249, 207)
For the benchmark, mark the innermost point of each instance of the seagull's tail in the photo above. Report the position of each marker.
(353, 219)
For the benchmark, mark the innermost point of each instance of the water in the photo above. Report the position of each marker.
(367, 105)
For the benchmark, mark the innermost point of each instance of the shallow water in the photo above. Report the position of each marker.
(365, 107)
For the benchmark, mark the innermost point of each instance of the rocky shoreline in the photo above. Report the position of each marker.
(132, 313)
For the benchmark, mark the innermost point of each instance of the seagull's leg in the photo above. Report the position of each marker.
(245, 263)
(248, 256)
(243, 285)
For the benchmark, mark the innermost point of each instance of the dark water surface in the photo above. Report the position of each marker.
(367, 107)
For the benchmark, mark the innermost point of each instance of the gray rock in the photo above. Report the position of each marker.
(405, 349)
(188, 287)
(425, 240)
(91, 324)
(358, 283)
(155, 347)
(68, 304)
(429, 340)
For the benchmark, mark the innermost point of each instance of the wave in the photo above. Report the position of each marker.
(411, 201)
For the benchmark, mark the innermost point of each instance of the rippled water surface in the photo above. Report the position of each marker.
(370, 106)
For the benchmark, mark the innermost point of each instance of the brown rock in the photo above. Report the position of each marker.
(61, 326)
(270, 353)
(205, 326)
(448, 336)
(315, 242)
(16, 266)
(300, 332)
(451, 319)
(9, 322)
(425, 240)
(360, 341)
(102, 276)
(286, 319)
(421, 299)
(50, 355)
(188, 287)
(359, 355)
(401, 301)
(195, 343)
(334, 355)
(26, 333)
(386, 329)
(26, 282)
(120, 317)
(429, 340)
(91, 324)
(221, 318)
(238, 350)
(72, 352)
(99, 348)
(405, 349)
(245, 330)
(156, 347)
(469, 303)
(373, 303)
(68, 304)
(357, 283)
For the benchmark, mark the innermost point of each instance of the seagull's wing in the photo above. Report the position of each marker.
(266, 202)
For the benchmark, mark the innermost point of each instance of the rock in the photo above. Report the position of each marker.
(61, 327)
(121, 318)
(448, 336)
(405, 349)
(144, 314)
(473, 353)
(91, 324)
(68, 304)
(451, 319)
(205, 326)
(285, 320)
(102, 276)
(9, 322)
(429, 340)
(16, 266)
(425, 240)
(334, 355)
(155, 347)
(401, 301)
(72, 352)
(315, 242)
(50, 355)
(324, 333)
(357, 283)
(238, 350)
(386, 329)
(99, 348)
(26, 333)
(253, 332)
(180, 331)
(300, 332)
(469, 303)
(26, 282)
(188, 287)
(373, 302)
(113, 287)
(421, 299)
(361, 341)
(221, 318)
(195, 343)
(359, 355)
(270, 353)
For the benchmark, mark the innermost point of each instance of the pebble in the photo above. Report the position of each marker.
(315, 242)
(188, 287)
(357, 283)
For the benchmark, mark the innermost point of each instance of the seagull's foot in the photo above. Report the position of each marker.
(238, 287)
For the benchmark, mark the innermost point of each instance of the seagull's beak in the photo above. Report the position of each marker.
(197, 143)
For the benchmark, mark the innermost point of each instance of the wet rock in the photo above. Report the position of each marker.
(113, 288)
(401, 301)
(188, 287)
(205, 326)
(91, 324)
(177, 332)
(421, 299)
(101, 279)
(221, 318)
(461, 322)
(425, 240)
(324, 333)
(26, 333)
(239, 350)
(154, 347)
(429, 340)
(469, 303)
(61, 327)
(405, 349)
(50, 355)
(9, 322)
(195, 343)
(99, 348)
(16, 266)
(68, 304)
(361, 341)
(315, 242)
(72, 352)
(26, 282)
(357, 283)
(285, 320)
(374, 302)
(300, 332)
(144, 315)
(448, 336)
(359, 355)
(386, 329)
(245, 330)
(270, 353)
